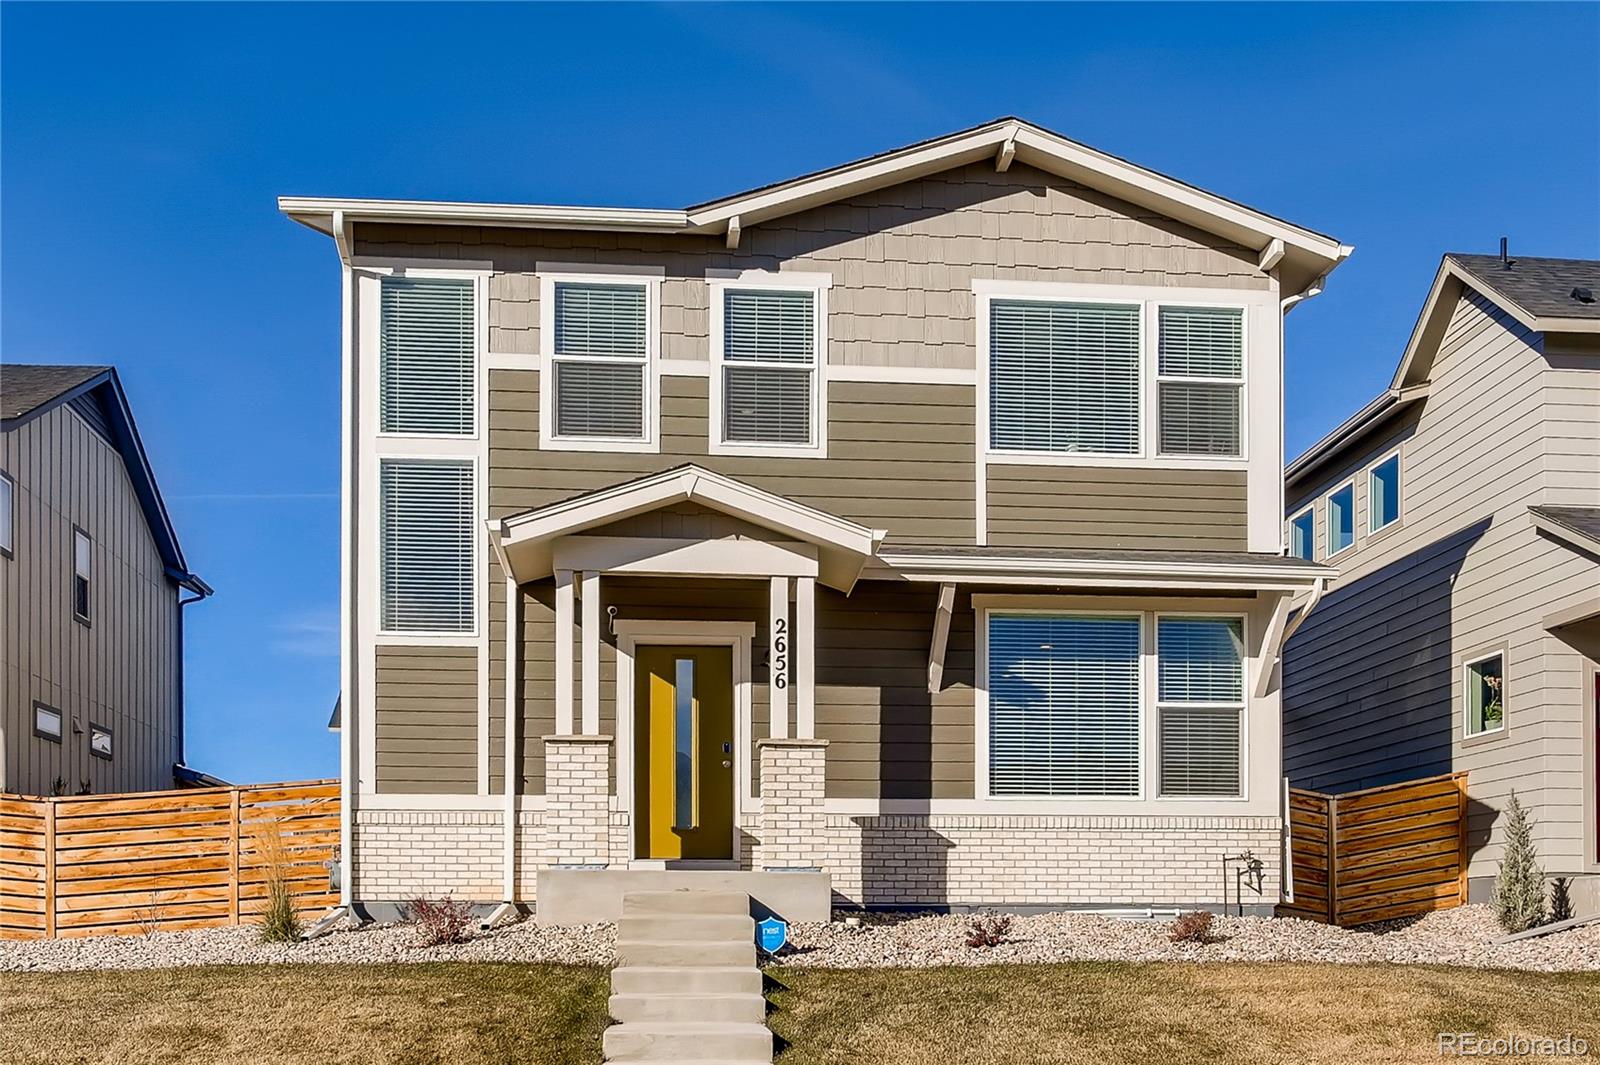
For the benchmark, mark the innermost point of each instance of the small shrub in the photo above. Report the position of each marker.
(148, 917)
(1560, 899)
(985, 932)
(439, 921)
(279, 922)
(1519, 889)
(1193, 927)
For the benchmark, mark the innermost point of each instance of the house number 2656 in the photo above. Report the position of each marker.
(780, 652)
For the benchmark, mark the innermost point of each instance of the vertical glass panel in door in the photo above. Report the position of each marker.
(683, 730)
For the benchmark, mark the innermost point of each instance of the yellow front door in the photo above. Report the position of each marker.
(683, 764)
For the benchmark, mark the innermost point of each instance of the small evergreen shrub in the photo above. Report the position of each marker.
(1560, 899)
(1519, 888)
(1193, 927)
(439, 921)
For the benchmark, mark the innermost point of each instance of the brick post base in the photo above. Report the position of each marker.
(792, 827)
(577, 816)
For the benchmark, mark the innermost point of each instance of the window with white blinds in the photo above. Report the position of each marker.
(1200, 380)
(1064, 377)
(599, 359)
(769, 366)
(1064, 702)
(1200, 701)
(426, 546)
(427, 355)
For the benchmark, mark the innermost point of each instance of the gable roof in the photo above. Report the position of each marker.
(30, 391)
(1303, 256)
(1539, 288)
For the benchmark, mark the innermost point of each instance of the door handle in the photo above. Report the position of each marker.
(727, 764)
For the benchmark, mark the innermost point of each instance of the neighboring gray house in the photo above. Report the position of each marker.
(92, 587)
(917, 521)
(1462, 510)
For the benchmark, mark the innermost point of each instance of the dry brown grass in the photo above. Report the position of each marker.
(311, 1014)
(1176, 1014)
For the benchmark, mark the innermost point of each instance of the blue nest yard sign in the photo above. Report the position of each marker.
(772, 934)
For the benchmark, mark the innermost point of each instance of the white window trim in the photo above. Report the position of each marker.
(87, 616)
(1399, 496)
(1243, 705)
(718, 282)
(1327, 516)
(1288, 531)
(436, 637)
(1250, 301)
(981, 703)
(1505, 700)
(552, 274)
(1242, 382)
(479, 275)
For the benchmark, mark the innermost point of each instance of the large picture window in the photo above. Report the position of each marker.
(1064, 705)
(1064, 377)
(1200, 700)
(768, 374)
(426, 545)
(1200, 368)
(600, 360)
(427, 362)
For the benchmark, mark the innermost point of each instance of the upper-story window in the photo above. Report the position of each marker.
(1341, 518)
(768, 355)
(82, 572)
(427, 363)
(599, 361)
(1064, 377)
(1200, 374)
(1303, 534)
(8, 515)
(426, 545)
(1383, 493)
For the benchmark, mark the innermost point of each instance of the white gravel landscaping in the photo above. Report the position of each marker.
(1450, 937)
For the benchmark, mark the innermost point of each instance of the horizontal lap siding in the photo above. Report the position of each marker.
(1372, 690)
(1105, 507)
(427, 711)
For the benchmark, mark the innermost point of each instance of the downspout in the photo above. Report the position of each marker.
(1317, 591)
(347, 613)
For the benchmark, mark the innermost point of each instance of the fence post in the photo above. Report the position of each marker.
(1461, 832)
(1333, 859)
(49, 868)
(233, 856)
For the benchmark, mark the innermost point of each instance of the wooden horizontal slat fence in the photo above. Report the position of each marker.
(162, 860)
(1378, 854)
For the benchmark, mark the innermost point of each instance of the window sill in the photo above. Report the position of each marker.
(774, 451)
(1162, 462)
(598, 444)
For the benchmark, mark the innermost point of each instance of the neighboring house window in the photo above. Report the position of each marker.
(8, 516)
(1383, 493)
(1341, 519)
(1200, 699)
(1200, 380)
(1484, 691)
(47, 722)
(427, 356)
(1064, 377)
(426, 545)
(82, 571)
(1303, 534)
(1064, 702)
(768, 375)
(100, 741)
(599, 359)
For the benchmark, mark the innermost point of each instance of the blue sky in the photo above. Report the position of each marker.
(141, 149)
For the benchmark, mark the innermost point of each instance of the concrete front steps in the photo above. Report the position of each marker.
(686, 988)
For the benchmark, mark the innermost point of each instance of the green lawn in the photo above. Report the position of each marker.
(1174, 1014)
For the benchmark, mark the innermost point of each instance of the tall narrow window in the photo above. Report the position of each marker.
(1303, 534)
(1200, 698)
(683, 744)
(769, 367)
(1063, 705)
(426, 545)
(1341, 519)
(1064, 377)
(1200, 368)
(427, 356)
(599, 359)
(8, 517)
(82, 574)
(1484, 692)
(1383, 493)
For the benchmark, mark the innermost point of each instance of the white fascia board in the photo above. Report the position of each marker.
(1094, 572)
(1561, 532)
(317, 213)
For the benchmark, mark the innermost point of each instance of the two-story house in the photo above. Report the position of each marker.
(917, 521)
(92, 590)
(1462, 510)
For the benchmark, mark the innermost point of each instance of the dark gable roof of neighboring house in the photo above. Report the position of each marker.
(1550, 296)
(30, 391)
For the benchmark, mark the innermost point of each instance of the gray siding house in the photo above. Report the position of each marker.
(92, 590)
(1462, 510)
(917, 521)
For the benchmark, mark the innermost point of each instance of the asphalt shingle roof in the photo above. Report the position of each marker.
(25, 387)
(1585, 521)
(1541, 287)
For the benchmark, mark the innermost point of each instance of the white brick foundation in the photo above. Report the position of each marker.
(577, 822)
(401, 854)
(793, 826)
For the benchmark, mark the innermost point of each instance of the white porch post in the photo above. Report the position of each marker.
(805, 657)
(591, 652)
(564, 620)
(779, 651)
(512, 772)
